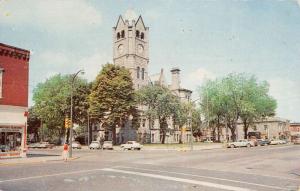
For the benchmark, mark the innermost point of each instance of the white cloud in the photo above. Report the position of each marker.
(55, 15)
(200, 75)
(93, 64)
(195, 79)
(287, 94)
(298, 2)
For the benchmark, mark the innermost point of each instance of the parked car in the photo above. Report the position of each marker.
(34, 145)
(297, 141)
(263, 142)
(95, 145)
(76, 145)
(282, 141)
(107, 145)
(241, 143)
(277, 142)
(45, 145)
(132, 145)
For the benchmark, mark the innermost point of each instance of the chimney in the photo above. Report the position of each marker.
(175, 78)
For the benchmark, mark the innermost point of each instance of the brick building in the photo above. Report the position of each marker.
(294, 128)
(14, 71)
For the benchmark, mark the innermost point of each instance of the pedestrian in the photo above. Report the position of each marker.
(65, 152)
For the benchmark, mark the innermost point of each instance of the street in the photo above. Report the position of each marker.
(243, 169)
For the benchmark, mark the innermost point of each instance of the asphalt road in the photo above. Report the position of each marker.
(260, 168)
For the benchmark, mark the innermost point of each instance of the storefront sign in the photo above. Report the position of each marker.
(11, 130)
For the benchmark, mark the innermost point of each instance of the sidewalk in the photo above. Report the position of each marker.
(30, 160)
(183, 147)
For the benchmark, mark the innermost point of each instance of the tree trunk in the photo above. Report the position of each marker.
(245, 129)
(163, 129)
(180, 137)
(114, 137)
(233, 135)
(218, 128)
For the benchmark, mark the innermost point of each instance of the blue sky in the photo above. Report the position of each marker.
(206, 39)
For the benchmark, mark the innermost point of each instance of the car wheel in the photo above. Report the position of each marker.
(232, 146)
(248, 145)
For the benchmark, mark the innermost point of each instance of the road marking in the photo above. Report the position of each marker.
(208, 177)
(49, 175)
(248, 173)
(201, 183)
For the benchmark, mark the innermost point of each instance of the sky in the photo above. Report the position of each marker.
(205, 39)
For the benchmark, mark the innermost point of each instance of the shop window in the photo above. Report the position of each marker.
(10, 141)
(1, 74)
(142, 35)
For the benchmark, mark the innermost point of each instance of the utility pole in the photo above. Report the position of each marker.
(88, 130)
(71, 128)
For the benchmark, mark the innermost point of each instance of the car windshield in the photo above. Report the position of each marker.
(108, 142)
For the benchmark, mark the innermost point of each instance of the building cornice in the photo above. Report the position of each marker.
(11, 51)
(147, 59)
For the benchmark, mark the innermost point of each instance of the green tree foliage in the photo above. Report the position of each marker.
(184, 112)
(33, 123)
(53, 99)
(112, 97)
(161, 104)
(237, 96)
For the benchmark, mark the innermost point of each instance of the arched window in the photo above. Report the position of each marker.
(123, 34)
(118, 36)
(138, 72)
(137, 34)
(142, 35)
(143, 73)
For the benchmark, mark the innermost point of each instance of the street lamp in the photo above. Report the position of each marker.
(71, 128)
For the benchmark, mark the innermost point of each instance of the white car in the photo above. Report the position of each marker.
(132, 145)
(277, 142)
(76, 145)
(95, 145)
(241, 143)
(107, 145)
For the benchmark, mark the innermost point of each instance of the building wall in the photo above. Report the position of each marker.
(294, 128)
(14, 61)
(131, 51)
(14, 65)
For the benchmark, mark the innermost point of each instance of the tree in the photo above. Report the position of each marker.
(257, 104)
(52, 102)
(237, 96)
(161, 105)
(33, 124)
(182, 115)
(112, 97)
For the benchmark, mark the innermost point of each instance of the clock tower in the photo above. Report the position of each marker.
(131, 49)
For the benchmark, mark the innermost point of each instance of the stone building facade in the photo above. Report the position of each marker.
(131, 50)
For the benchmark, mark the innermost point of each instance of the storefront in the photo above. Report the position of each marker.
(12, 141)
(12, 131)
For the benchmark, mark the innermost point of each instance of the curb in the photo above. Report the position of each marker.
(34, 162)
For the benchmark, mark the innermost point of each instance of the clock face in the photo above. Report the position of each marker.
(120, 48)
(140, 48)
